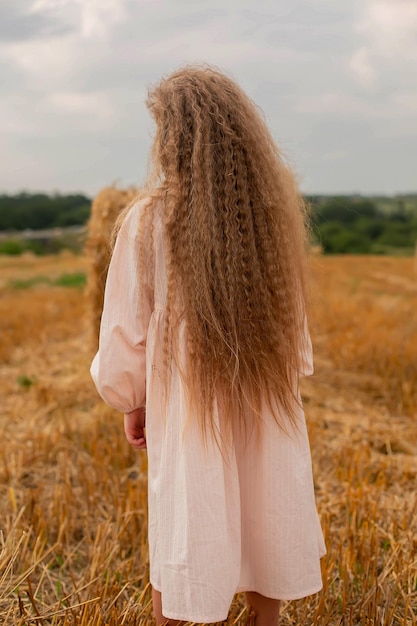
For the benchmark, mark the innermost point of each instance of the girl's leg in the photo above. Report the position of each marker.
(265, 609)
(157, 611)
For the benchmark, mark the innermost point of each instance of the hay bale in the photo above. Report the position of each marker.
(107, 205)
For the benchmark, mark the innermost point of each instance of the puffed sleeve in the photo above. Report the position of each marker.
(119, 367)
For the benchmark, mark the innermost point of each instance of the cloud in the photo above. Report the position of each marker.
(18, 23)
(47, 63)
(98, 17)
(335, 79)
(388, 30)
(362, 67)
(96, 107)
(389, 117)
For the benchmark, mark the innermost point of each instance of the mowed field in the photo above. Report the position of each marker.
(73, 494)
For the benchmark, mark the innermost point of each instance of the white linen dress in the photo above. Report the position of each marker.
(218, 523)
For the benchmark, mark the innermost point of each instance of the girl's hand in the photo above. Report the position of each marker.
(134, 425)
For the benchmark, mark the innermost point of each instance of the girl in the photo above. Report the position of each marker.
(204, 323)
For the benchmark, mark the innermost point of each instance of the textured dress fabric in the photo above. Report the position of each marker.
(220, 521)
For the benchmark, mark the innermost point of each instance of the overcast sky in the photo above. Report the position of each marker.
(336, 79)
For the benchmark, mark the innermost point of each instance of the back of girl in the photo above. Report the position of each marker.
(204, 325)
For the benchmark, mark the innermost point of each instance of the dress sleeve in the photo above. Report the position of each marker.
(119, 367)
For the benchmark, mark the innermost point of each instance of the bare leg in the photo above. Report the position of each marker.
(157, 611)
(265, 609)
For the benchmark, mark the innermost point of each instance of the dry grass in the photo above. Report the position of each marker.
(73, 495)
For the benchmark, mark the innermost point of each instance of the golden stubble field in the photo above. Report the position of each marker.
(73, 494)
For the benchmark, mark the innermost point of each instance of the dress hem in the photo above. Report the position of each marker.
(199, 620)
(284, 597)
(243, 589)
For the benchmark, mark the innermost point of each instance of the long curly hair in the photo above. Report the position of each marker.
(235, 239)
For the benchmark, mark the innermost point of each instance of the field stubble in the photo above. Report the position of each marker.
(73, 494)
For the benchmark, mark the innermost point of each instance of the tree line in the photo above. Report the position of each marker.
(363, 225)
(339, 224)
(41, 211)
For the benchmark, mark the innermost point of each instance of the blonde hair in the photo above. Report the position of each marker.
(234, 227)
